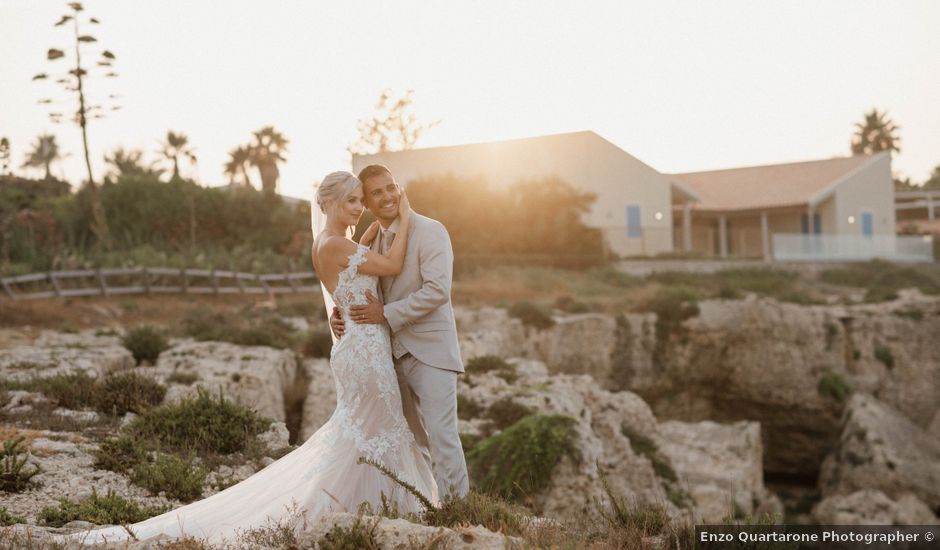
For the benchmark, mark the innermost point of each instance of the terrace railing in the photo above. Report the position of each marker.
(852, 248)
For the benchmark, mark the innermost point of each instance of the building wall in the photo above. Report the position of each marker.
(583, 159)
(869, 189)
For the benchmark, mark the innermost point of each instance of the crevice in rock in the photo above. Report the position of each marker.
(294, 397)
(849, 352)
(797, 491)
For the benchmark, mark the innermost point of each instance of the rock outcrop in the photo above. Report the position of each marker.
(256, 376)
(785, 365)
(879, 448)
(872, 507)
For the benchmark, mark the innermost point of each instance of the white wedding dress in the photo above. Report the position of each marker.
(322, 475)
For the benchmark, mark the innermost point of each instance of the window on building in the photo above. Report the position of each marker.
(634, 228)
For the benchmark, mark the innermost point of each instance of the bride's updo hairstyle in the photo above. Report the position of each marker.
(334, 188)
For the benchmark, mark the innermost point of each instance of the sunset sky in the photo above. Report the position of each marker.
(681, 85)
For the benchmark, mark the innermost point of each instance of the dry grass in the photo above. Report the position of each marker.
(125, 311)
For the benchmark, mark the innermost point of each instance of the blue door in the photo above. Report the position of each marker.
(634, 229)
(867, 227)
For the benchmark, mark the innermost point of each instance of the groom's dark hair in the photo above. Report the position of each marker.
(373, 170)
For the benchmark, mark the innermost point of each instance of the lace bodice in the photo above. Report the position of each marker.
(351, 286)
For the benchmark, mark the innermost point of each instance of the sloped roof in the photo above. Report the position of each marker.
(771, 186)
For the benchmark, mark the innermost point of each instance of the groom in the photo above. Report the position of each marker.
(418, 311)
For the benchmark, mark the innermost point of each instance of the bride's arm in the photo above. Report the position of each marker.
(382, 266)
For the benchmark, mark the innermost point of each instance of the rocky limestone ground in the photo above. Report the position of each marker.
(733, 394)
(789, 367)
(724, 476)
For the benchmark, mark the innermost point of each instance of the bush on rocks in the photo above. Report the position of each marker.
(531, 315)
(146, 343)
(519, 460)
(119, 454)
(360, 536)
(16, 472)
(7, 519)
(175, 477)
(125, 392)
(201, 424)
(491, 363)
(834, 386)
(505, 412)
(110, 509)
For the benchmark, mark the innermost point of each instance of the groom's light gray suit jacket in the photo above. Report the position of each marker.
(417, 301)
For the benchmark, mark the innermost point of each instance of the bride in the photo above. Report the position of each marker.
(323, 474)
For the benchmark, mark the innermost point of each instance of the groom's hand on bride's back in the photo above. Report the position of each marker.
(337, 325)
(371, 313)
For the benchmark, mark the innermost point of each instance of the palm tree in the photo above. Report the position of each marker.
(239, 158)
(877, 133)
(129, 162)
(4, 156)
(266, 152)
(45, 152)
(176, 146)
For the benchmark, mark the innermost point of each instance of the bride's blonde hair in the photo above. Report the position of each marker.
(334, 188)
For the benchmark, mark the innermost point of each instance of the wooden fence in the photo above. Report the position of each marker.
(153, 280)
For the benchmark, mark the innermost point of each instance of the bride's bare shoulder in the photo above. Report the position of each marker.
(336, 248)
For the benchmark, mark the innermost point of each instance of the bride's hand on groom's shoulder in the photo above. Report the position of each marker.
(369, 235)
(404, 205)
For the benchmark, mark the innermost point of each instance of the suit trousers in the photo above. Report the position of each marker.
(429, 401)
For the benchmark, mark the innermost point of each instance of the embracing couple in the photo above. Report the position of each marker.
(395, 364)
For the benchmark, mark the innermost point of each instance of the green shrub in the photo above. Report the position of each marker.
(16, 472)
(494, 364)
(882, 280)
(201, 424)
(75, 390)
(474, 508)
(146, 343)
(125, 392)
(184, 378)
(176, 477)
(646, 522)
(570, 305)
(119, 454)
(358, 536)
(883, 354)
(469, 441)
(245, 330)
(318, 343)
(505, 412)
(834, 385)
(672, 307)
(7, 519)
(531, 315)
(467, 408)
(111, 509)
(519, 460)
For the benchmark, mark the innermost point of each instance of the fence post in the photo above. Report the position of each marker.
(238, 281)
(215, 281)
(264, 285)
(7, 289)
(185, 282)
(101, 282)
(146, 276)
(55, 284)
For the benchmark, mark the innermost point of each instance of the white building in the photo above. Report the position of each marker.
(846, 203)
